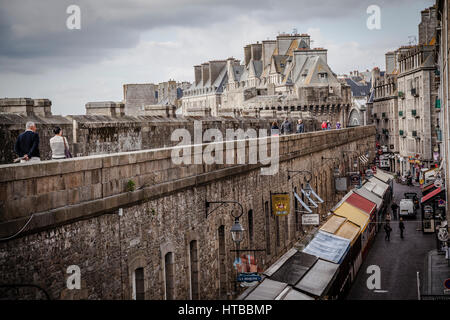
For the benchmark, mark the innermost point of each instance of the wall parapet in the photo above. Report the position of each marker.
(60, 191)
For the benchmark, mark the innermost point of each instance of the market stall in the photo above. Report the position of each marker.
(433, 209)
(319, 279)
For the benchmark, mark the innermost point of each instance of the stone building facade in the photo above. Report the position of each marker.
(443, 101)
(285, 74)
(417, 103)
(155, 240)
(144, 98)
(386, 115)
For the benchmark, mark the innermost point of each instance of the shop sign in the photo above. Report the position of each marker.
(436, 156)
(384, 163)
(355, 179)
(447, 284)
(280, 204)
(247, 269)
(443, 234)
(341, 183)
(310, 219)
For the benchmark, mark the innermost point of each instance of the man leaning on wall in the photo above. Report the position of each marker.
(27, 144)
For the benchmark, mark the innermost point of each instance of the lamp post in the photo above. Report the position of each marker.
(296, 172)
(237, 231)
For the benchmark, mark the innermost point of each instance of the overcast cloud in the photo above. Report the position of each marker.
(141, 41)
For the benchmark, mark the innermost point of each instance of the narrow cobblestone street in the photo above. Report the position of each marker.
(399, 259)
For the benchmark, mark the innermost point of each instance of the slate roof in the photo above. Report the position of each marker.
(358, 89)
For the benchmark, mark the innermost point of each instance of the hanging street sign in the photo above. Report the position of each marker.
(341, 183)
(311, 219)
(355, 179)
(247, 269)
(280, 204)
(369, 173)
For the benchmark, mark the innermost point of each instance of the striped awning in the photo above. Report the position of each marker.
(363, 159)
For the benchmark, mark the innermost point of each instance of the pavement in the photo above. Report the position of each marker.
(438, 271)
(399, 259)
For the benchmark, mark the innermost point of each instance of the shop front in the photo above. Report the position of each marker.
(433, 209)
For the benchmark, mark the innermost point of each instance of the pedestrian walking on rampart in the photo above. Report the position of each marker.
(59, 145)
(27, 144)
(286, 127)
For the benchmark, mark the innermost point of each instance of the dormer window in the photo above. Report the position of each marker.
(323, 75)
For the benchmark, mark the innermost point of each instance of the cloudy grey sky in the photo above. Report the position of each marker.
(141, 41)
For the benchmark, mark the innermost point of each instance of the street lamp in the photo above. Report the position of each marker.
(237, 231)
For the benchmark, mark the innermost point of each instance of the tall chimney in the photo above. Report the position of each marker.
(247, 54)
(205, 72)
(256, 51)
(198, 74)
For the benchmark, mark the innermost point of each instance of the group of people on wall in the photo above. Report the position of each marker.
(27, 144)
(286, 127)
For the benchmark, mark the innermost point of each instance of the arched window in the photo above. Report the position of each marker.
(193, 256)
(169, 276)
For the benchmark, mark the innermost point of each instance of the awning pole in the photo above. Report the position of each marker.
(418, 286)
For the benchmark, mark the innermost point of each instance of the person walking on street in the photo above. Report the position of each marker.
(338, 125)
(388, 217)
(324, 125)
(401, 226)
(27, 144)
(300, 126)
(328, 125)
(387, 229)
(286, 127)
(394, 208)
(59, 145)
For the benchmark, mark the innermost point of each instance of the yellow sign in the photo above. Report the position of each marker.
(421, 181)
(281, 204)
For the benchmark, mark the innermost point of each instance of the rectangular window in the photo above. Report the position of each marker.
(267, 214)
(139, 289)
(250, 227)
(193, 255)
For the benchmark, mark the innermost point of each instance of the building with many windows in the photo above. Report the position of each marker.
(284, 75)
(418, 115)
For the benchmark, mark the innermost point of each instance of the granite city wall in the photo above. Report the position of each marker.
(73, 205)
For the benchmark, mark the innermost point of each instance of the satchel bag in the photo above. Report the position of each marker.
(66, 149)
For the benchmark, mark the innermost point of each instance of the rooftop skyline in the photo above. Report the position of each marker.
(143, 42)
